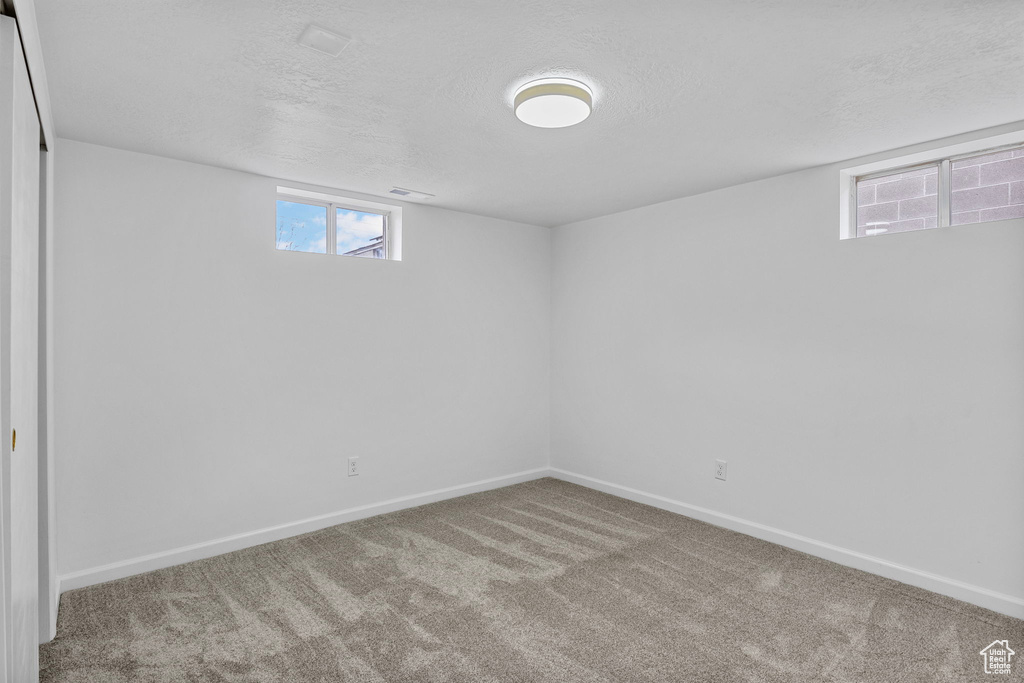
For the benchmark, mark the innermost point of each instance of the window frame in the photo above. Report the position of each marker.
(943, 177)
(332, 221)
(943, 158)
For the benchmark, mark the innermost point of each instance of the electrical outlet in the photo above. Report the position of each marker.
(720, 466)
(353, 467)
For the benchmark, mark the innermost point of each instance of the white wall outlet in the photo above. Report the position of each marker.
(720, 467)
(353, 467)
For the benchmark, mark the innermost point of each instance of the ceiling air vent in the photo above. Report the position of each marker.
(411, 194)
(322, 40)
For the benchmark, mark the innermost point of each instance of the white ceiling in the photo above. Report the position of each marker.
(690, 95)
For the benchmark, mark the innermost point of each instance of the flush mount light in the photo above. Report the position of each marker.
(553, 102)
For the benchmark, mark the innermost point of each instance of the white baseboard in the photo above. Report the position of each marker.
(198, 551)
(976, 595)
(998, 602)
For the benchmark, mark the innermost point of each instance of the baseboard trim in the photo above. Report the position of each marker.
(997, 602)
(976, 595)
(199, 551)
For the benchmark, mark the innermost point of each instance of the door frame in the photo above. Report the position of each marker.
(23, 11)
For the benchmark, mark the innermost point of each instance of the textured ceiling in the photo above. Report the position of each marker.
(689, 95)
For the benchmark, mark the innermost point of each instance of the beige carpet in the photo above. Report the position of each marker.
(543, 581)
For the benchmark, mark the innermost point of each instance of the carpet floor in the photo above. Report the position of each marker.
(542, 581)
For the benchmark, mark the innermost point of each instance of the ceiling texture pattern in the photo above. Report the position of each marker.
(689, 95)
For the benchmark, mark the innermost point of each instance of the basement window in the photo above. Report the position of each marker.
(968, 183)
(898, 201)
(319, 223)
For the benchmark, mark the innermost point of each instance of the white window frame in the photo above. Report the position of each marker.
(942, 157)
(391, 214)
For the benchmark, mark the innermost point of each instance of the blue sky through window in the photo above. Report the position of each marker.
(301, 227)
(358, 229)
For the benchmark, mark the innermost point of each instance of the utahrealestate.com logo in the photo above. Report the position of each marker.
(997, 657)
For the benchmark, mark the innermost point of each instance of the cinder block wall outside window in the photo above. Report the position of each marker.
(988, 188)
(902, 201)
(984, 188)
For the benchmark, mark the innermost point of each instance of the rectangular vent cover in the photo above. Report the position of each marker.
(412, 194)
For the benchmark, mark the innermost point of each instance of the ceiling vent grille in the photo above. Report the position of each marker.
(322, 40)
(410, 194)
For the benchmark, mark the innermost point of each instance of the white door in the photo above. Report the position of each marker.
(19, 304)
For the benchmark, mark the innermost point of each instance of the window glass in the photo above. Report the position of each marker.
(898, 202)
(360, 233)
(988, 187)
(301, 227)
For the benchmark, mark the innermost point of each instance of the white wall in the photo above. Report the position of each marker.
(865, 393)
(210, 385)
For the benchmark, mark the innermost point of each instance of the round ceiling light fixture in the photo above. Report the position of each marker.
(553, 102)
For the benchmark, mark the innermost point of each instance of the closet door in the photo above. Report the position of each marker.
(19, 348)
